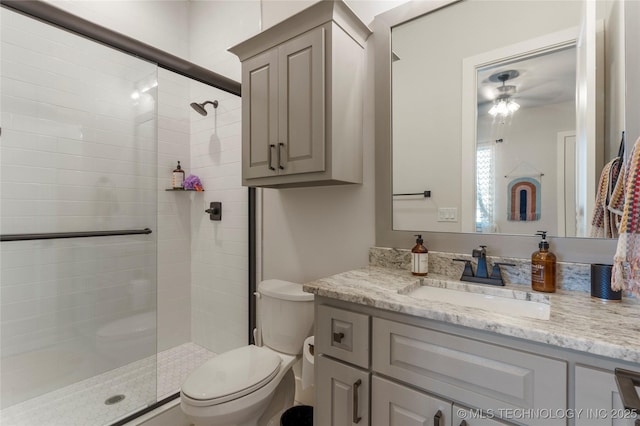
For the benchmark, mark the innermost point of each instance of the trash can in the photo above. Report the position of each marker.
(300, 415)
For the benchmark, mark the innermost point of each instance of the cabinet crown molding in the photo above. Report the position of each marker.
(314, 16)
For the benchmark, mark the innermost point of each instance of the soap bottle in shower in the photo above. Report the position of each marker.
(177, 179)
(543, 267)
(419, 258)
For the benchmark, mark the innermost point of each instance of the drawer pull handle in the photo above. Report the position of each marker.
(436, 418)
(271, 147)
(463, 423)
(356, 387)
(337, 337)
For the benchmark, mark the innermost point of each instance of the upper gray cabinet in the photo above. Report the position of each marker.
(302, 96)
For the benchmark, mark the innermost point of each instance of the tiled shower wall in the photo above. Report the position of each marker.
(78, 153)
(219, 250)
(174, 218)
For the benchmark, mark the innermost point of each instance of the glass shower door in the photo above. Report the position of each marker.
(78, 154)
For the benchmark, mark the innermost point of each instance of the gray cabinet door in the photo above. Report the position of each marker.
(259, 115)
(301, 112)
(395, 405)
(597, 399)
(342, 394)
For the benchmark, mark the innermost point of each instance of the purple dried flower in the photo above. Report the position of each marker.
(193, 182)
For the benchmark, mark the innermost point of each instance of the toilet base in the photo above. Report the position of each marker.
(236, 413)
(282, 400)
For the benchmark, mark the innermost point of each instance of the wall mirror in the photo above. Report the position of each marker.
(506, 113)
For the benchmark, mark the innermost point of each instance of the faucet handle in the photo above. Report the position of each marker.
(468, 270)
(496, 273)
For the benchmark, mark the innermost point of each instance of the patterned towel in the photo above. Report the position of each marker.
(609, 201)
(626, 262)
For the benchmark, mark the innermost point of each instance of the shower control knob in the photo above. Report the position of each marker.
(214, 210)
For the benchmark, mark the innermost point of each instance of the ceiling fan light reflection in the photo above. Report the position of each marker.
(504, 107)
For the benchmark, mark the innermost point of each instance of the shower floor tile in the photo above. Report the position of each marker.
(83, 403)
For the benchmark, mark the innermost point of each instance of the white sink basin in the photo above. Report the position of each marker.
(517, 305)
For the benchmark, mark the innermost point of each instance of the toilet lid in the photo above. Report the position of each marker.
(232, 375)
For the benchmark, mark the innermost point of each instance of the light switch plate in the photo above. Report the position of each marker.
(448, 214)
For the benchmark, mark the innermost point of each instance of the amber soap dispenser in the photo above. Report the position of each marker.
(543, 267)
(419, 258)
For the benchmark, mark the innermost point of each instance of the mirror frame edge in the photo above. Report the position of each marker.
(632, 67)
(581, 250)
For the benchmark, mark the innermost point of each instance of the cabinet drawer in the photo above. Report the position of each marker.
(396, 405)
(343, 335)
(479, 374)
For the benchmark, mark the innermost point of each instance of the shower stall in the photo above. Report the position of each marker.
(79, 202)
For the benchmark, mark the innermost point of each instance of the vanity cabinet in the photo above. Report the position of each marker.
(598, 402)
(302, 99)
(417, 375)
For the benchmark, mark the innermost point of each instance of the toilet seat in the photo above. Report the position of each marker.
(231, 375)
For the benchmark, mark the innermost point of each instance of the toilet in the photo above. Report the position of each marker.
(249, 385)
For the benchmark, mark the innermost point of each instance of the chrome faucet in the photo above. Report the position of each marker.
(482, 272)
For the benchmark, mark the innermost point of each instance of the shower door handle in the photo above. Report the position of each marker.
(269, 156)
(280, 146)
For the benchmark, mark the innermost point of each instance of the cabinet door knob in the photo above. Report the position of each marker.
(280, 146)
(356, 388)
(437, 418)
(337, 337)
(269, 157)
(463, 423)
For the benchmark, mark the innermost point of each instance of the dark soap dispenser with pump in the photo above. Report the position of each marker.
(177, 177)
(419, 258)
(543, 267)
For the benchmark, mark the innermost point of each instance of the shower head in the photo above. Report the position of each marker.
(200, 107)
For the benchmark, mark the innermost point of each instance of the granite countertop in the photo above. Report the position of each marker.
(577, 321)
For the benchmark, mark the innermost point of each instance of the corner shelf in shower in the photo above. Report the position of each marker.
(183, 190)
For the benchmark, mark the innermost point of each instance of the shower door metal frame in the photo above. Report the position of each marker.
(67, 21)
(52, 15)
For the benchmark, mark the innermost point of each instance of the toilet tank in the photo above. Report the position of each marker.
(285, 315)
